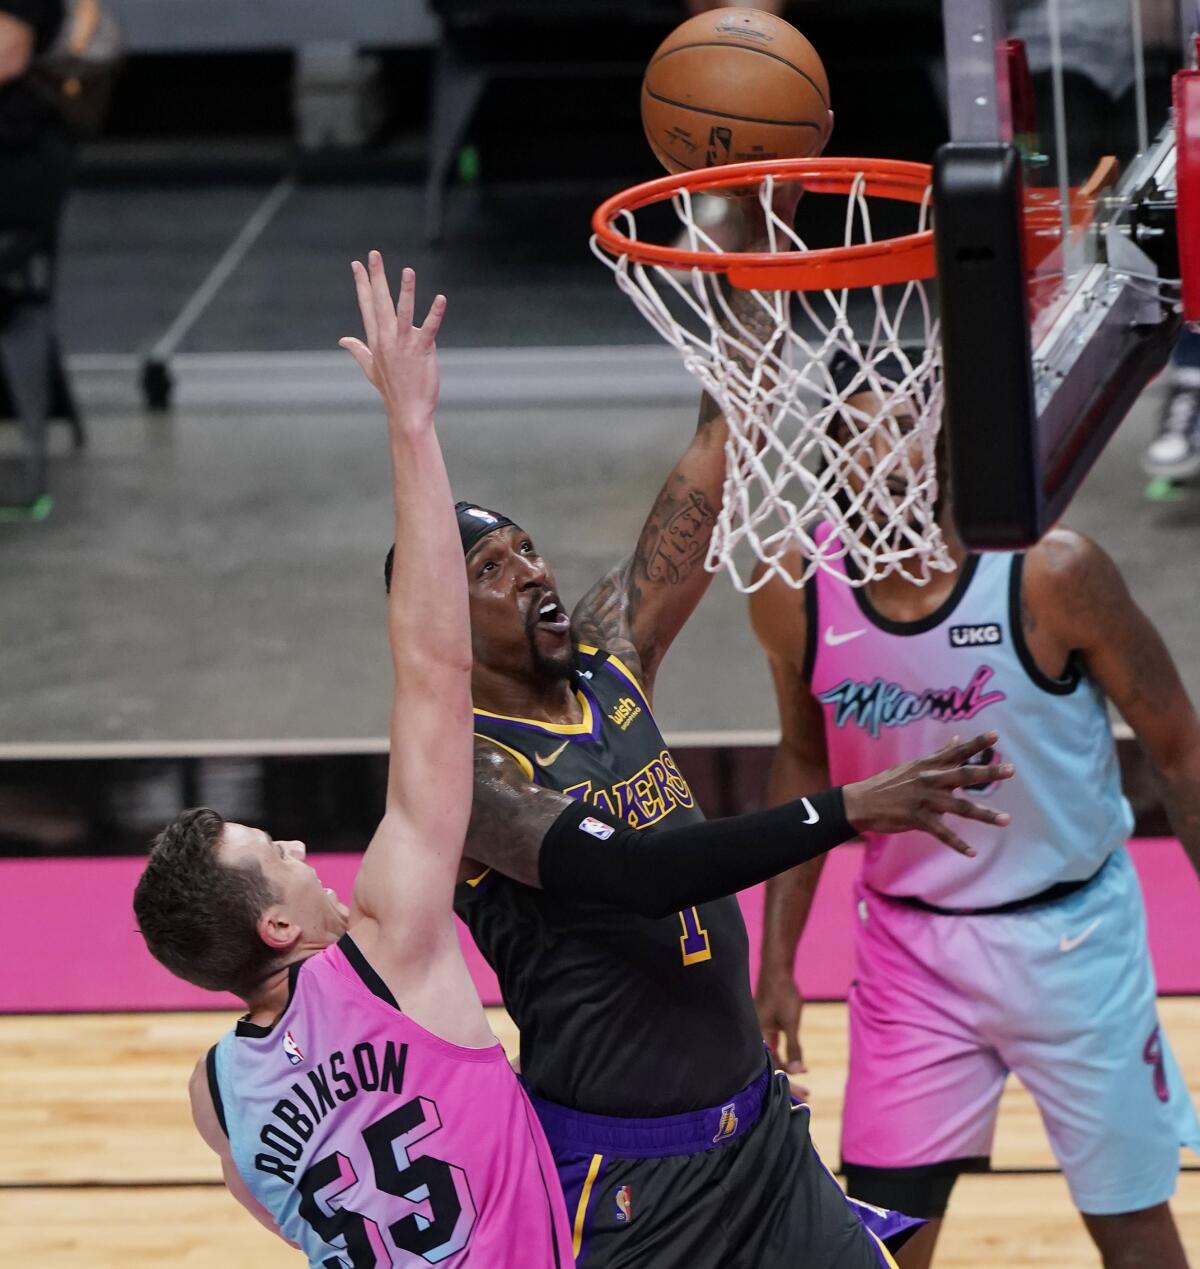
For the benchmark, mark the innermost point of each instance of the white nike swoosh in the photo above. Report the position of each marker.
(1069, 945)
(547, 759)
(813, 817)
(832, 640)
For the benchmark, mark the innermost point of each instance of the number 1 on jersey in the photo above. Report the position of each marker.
(694, 942)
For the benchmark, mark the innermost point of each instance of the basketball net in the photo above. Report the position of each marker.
(796, 452)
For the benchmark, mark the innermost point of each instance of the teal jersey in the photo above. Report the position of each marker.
(619, 1014)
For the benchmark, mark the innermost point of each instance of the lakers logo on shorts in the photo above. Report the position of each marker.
(729, 1123)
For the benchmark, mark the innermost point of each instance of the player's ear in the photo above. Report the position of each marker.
(276, 930)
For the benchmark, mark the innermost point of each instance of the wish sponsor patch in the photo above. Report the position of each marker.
(597, 828)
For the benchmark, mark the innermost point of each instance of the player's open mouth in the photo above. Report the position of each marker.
(551, 617)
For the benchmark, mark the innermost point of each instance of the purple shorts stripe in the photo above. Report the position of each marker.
(574, 1132)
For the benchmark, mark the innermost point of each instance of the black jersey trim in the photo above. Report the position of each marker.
(366, 971)
(812, 616)
(931, 620)
(599, 657)
(1072, 674)
(214, 1089)
(252, 1030)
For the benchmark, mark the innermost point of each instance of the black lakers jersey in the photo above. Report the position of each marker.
(619, 1014)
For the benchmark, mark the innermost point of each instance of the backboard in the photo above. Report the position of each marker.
(1067, 226)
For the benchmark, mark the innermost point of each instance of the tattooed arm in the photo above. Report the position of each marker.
(1075, 600)
(636, 610)
(509, 818)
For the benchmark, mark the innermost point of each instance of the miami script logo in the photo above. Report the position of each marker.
(879, 704)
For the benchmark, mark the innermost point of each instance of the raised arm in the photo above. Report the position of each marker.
(407, 876)
(1075, 595)
(637, 609)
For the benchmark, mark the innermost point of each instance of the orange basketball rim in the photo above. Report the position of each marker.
(907, 258)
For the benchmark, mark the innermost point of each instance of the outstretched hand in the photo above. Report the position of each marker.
(398, 358)
(916, 795)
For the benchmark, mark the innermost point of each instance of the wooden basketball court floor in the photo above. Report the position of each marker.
(100, 1166)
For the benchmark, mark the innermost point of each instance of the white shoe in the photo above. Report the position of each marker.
(1174, 454)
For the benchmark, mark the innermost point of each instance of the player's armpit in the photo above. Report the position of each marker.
(777, 613)
(603, 617)
(204, 1116)
(1074, 589)
(1072, 584)
(636, 610)
(780, 623)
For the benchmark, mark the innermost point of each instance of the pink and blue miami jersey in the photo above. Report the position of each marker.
(372, 1142)
(894, 691)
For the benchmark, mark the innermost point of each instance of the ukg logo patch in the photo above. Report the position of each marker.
(985, 636)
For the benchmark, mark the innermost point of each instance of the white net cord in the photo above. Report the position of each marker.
(797, 453)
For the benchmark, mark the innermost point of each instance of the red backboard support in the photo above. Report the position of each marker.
(1186, 100)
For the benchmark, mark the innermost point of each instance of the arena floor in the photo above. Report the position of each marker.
(100, 1165)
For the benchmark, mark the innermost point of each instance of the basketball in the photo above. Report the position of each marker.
(732, 85)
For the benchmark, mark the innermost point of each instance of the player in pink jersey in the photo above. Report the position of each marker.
(363, 1108)
(1034, 958)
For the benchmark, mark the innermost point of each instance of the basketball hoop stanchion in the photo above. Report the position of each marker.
(1186, 101)
(797, 452)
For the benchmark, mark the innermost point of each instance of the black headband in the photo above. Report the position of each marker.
(475, 522)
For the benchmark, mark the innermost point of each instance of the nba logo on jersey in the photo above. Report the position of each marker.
(624, 1198)
(596, 828)
(292, 1049)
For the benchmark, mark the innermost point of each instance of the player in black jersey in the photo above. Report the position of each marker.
(585, 936)
(639, 1039)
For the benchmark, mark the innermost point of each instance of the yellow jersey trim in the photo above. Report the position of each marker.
(887, 1255)
(584, 1196)
(474, 881)
(559, 729)
(522, 762)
